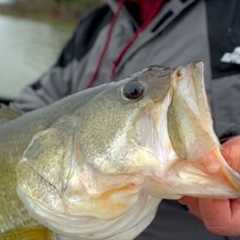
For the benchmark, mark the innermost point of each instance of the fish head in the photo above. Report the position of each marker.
(88, 168)
(106, 166)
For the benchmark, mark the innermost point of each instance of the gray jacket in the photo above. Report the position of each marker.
(184, 31)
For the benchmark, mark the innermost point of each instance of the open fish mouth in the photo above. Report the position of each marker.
(189, 156)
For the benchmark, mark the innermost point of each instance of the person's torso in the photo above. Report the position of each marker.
(183, 32)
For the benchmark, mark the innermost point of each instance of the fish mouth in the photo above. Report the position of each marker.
(184, 143)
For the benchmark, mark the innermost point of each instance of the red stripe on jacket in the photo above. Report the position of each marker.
(148, 9)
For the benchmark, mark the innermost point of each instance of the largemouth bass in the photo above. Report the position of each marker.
(95, 165)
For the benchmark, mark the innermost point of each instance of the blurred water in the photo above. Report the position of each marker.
(27, 49)
(6, 1)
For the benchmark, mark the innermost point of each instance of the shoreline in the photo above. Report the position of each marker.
(42, 18)
(65, 14)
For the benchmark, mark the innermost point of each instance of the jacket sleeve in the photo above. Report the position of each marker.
(52, 85)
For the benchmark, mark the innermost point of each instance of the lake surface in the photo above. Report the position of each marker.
(27, 49)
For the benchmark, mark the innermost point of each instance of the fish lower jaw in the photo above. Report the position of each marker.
(125, 227)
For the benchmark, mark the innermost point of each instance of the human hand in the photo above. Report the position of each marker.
(220, 216)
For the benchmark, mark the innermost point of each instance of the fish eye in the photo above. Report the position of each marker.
(133, 90)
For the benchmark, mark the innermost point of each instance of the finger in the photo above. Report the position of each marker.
(192, 204)
(231, 152)
(235, 207)
(216, 214)
(231, 226)
(189, 201)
